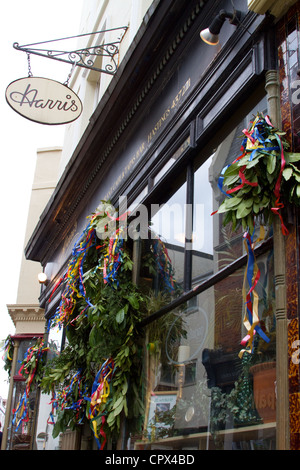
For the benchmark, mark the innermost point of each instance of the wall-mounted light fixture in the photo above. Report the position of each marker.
(42, 277)
(210, 35)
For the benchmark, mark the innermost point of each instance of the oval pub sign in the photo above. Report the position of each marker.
(43, 100)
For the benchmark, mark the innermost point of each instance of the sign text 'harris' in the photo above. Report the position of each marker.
(43, 100)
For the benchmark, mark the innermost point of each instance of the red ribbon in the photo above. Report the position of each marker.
(279, 205)
(103, 433)
(244, 181)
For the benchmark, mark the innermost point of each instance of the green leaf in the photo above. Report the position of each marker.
(243, 161)
(255, 160)
(133, 301)
(118, 402)
(287, 173)
(110, 418)
(120, 316)
(291, 157)
(248, 202)
(243, 210)
(232, 202)
(232, 170)
(125, 408)
(256, 208)
(265, 201)
(94, 337)
(223, 207)
(271, 163)
(298, 190)
(118, 410)
(250, 223)
(296, 170)
(229, 218)
(124, 388)
(231, 175)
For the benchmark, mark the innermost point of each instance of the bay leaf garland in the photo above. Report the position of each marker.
(261, 180)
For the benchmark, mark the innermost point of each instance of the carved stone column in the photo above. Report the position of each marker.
(282, 434)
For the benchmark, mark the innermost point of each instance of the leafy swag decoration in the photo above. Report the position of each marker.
(261, 179)
(100, 370)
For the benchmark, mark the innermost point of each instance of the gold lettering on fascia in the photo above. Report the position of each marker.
(141, 149)
(175, 102)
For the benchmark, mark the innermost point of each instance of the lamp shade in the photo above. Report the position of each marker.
(209, 37)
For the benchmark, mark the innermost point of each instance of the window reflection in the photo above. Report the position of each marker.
(55, 340)
(168, 224)
(215, 245)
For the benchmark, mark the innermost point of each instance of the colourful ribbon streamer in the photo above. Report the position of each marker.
(279, 205)
(99, 396)
(112, 250)
(29, 367)
(163, 264)
(74, 287)
(8, 349)
(54, 406)
(65, 399)
(252, 276)
(113, 257)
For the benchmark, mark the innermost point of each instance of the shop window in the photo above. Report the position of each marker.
(24, 345)
(202, 240)
(163, 170)
(20, 436)
(133, 206)
(214, 245)
(201, 385)
(197, 244)
(201, 392)
(55, 344)
(168, 242)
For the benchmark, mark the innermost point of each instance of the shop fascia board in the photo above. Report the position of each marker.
(132, 71)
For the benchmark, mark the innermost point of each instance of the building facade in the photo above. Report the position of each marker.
(154, 139)
(27, 315)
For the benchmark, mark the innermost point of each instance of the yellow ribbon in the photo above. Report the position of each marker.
(255, 317)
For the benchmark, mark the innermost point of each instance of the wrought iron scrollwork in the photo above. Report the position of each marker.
(85, 57)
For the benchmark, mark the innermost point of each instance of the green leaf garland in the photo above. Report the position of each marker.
(261, 179)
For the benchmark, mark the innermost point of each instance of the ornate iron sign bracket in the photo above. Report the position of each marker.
(85, 57)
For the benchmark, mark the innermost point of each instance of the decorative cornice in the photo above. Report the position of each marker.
(274, 7)
(26, 313)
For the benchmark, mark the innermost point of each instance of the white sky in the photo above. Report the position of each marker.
(24, 22)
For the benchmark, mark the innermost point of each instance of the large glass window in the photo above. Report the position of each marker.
(214, 245)
(203, 391)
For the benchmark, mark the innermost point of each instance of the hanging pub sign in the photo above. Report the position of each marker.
(43, 100)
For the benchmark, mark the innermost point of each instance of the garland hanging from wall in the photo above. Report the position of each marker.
(257, 185)
(7, 357)
(100, 309)
(32, 370)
